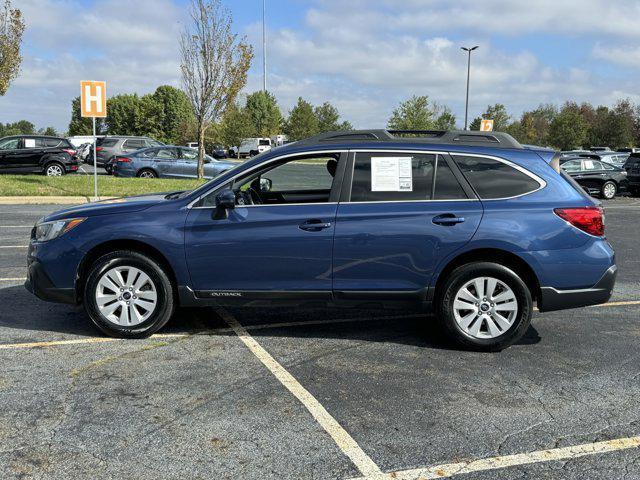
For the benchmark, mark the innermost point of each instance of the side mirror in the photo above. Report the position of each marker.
(265, 184)
(225, 200)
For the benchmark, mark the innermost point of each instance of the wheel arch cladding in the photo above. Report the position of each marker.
(129, 245)
(501, 257)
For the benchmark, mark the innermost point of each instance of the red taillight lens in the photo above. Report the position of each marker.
(98, 149)
(587, 219)
(123, 160)
(69, 151)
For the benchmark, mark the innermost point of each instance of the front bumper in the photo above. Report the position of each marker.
(39, 283)
(553, 299)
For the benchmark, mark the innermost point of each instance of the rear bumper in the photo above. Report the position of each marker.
(39, 283)
(553, 299)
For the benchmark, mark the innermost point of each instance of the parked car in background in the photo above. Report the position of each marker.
(167, 162)
(219, 152)
(629, 150)
(192, 144)
(632, 168)
(617, 159)
(469, 224)
(52, 156)
(600, 149)
(78, 140)
(597, 177)
(251, 147)
(109, 146)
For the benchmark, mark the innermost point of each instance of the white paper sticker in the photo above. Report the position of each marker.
(29, 143)
(588, 165)
(391, 174)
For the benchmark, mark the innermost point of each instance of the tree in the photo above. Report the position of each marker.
(11, 30)
(213, 64)
(413, 114)
(568, 130)
(302, 122)
(328, 119)
(21, 127)
(124, 114)
(264, 114)
(497, 113)
(49, 131)
(446, 119)
(234, 127)
(172, 108)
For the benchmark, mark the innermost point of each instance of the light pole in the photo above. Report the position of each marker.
(466, 108)
(264, 45)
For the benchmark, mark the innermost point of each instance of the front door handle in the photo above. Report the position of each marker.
(447, 219)
(314, 225)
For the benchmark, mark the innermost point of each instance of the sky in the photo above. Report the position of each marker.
(364, 56)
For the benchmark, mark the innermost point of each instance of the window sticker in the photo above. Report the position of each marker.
(29, 143)
(391, 174)
(588, 165)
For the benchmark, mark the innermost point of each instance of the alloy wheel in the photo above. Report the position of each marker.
(54, 171)
(126, 296)
(485, 308)
(609, 190)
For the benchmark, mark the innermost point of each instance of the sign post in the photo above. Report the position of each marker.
(93, 103)
(486, 125)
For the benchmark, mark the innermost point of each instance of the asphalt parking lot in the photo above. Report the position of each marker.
(317, 394)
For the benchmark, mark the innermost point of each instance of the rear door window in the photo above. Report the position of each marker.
(493, 179)
(385, 177)
(166, 153)
(447, 185)
(134, 144)
(572, 166)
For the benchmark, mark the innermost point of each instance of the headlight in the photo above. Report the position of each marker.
(49, 230)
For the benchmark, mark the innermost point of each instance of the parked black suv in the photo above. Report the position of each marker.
(633, 173)
(52, 156)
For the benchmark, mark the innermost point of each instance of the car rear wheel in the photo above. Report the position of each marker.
(146, 173)
(128, 295)
(609, 190)
(54, 169)
(485, 306)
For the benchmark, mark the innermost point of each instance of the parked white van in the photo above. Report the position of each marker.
(253, 146)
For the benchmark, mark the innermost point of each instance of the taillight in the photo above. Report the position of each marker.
(123, 160)
(98, 149)
(69, 151)
(587, 219)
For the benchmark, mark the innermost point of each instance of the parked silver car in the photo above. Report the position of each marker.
(109, 146)
(167, 162)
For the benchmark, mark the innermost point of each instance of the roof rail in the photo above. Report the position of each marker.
(454, 137)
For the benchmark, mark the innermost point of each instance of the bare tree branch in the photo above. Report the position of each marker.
(214, 65)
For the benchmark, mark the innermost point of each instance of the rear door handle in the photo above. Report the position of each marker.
(314, 225)
(447, 219)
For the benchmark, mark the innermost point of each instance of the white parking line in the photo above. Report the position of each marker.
(345, 442)
(16, 226)
(496, 463)
(14, 246)
(13, 279)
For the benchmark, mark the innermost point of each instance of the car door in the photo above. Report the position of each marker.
(28, 159)
(405, 211)
(187, 164)
(10, 152)
(166, 161)
(593, 174)
(260, 250)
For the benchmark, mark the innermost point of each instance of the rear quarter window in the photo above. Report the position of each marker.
(493, 179)
(106, 142)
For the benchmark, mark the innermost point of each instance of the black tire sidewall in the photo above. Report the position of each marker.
(164, 289)
(465, 273)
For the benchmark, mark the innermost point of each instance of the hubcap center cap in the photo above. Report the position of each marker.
(485, 307)
(126, 295)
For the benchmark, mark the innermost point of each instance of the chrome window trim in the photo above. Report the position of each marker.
(263, 164)
(541, 182)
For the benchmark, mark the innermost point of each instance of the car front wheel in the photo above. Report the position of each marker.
(485, 306)
(609, 190)
(128, 295)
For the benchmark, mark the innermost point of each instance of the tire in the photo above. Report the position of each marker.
(147, 173)
(143, 317)
(492, 335)
(609, 190)
(54, 169)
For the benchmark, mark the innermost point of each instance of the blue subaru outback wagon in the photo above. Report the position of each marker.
(473, 225)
